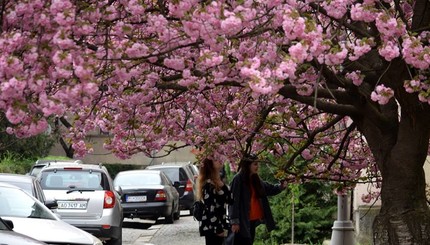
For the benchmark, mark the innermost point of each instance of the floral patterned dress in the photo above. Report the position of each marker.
(214, 220)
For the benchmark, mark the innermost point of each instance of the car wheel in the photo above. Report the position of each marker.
(115, 241)
(177, 214)
(169, 218)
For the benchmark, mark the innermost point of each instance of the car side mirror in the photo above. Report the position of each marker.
(176, 184)
(51, 204)
(118, 189)
(9, 223)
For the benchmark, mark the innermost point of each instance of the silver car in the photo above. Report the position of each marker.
(31, 218)
(39, 164)
(86, 198)
(26, 182)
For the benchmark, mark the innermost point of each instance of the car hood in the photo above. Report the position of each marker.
(11, 237)
(51, 231)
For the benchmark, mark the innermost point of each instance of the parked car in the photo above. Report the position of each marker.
(86, 198)
(29, 184)
(8, 236)
(189, 165)
(187, 185)
(148, 194)
(31, 218)
(39, 164)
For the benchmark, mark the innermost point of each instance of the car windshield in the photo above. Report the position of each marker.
(26, 186)
(135, 179)
(17, 203)
(172, 173)
(71, 179)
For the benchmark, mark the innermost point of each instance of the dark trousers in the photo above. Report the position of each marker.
(214, 240)
(240, 240)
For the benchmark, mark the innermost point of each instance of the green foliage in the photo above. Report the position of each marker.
(114, 169)
(228, 173)
(30, 148)
(23, 148)
(13, 163)
(50, 157)
(313, 205)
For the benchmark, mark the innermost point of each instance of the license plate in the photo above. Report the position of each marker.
(135, 199)
(72, 205)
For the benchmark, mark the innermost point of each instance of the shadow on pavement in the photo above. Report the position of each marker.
(136, 224)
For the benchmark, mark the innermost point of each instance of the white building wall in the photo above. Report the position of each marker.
(101, 155)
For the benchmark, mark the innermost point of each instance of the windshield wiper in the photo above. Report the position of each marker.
(80, 190)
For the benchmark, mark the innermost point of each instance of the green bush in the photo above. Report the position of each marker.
(115, 168)
(12, 163)
(314, 212)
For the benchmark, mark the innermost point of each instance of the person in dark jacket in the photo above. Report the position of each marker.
(215, 196)
(250, 205)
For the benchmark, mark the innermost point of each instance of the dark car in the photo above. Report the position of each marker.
(148, 194)
(8, 236)
(29, 184)
(187, 185)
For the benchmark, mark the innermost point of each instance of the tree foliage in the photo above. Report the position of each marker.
(343, 85)
(313, 206)
(30, 148)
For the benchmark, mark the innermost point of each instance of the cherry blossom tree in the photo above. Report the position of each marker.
(342, 86)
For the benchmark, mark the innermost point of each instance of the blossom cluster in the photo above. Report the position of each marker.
(202, 72)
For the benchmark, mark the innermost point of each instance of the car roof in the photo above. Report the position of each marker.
(4, 184)
(140, 171)
(176, 163)
(83, 166)
(172, 166)
(16, 177)
(55, 161)
(158, 166)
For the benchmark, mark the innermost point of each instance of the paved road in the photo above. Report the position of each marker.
(182, 232)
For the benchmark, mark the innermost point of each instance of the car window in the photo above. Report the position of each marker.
(16, 203)
(172, 173)
(36, 170)
(134, 179)
(165, 179)
(39, 191)
(65, 179)
(23, 185)
(183, 175)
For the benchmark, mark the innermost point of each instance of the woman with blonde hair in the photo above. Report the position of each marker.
(215, 196)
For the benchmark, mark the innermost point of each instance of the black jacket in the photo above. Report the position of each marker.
(239, 211)
(214, 220)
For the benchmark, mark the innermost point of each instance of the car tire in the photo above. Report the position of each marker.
(177, 215)
(115, 241)
(170, 218)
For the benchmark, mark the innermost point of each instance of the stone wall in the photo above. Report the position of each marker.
(363, 219)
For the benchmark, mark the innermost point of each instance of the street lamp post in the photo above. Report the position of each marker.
(343, 229)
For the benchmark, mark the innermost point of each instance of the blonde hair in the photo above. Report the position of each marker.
(207, 171)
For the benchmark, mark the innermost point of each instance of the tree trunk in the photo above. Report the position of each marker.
(404, 217)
